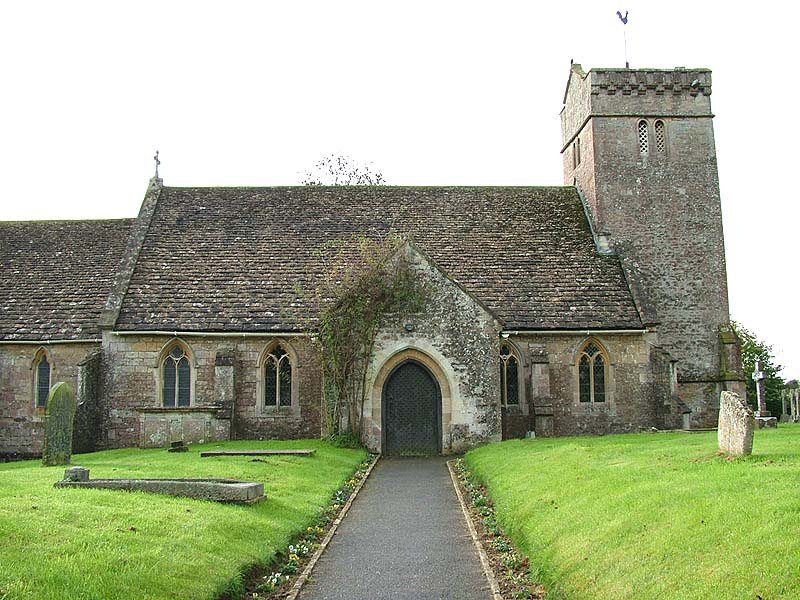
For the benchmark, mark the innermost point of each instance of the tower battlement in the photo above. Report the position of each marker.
(677, 92)
(640, 82)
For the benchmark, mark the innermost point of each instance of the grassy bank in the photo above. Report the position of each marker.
(100, 544)
(652, 515)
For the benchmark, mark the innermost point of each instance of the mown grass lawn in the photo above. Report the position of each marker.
(652, 515)
(99, 544)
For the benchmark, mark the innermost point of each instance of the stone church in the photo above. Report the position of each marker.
(596, 307)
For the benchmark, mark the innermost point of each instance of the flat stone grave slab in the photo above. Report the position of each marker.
(258, 453)
(216, 490)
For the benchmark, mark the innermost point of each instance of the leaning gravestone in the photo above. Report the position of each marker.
(736, 425)
(60, 415)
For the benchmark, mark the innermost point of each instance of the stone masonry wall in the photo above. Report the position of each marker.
(666, 214)
(638, 388)
(577, 108)
(21, 424)
(575, 125)
(249, 423)
(133, 415)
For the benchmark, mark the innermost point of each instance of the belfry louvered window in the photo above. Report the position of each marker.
(42, 379)
(644, 143)
(176, 378)
(277, 378)
(592, 366)
(661, 137)
(509, 376)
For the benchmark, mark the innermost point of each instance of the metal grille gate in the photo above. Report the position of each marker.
(411, 408)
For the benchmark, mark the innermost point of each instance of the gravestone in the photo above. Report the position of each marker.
(59, 417)
(736, 425)
(178, 446)
(76, 474)
(216, 490)
(790, 401)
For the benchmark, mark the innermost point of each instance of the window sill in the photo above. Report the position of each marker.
(181, 409)
(284, 412)
(594, 407)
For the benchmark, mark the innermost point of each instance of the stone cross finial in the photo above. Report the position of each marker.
(158, 162)
(759, 376)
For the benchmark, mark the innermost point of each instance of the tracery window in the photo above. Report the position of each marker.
(592, 369)
(644, 143)
(277, 378)
(661, 138)
(509, 376)
(42, 379)
(176, 378)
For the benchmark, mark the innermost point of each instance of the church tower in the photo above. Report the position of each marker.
(639, 145)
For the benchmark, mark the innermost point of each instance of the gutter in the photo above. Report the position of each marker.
(575, 332)
(214, 333)
(51, 342)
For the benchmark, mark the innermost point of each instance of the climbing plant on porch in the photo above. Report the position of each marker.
(366, 279)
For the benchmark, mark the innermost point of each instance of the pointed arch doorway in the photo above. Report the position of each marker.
(411, 408)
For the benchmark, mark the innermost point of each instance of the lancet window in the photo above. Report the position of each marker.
(592, 371)
(509, 376)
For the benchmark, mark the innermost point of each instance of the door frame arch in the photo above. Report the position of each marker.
(438, 408)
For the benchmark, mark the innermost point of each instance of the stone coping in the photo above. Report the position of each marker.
(216, 490)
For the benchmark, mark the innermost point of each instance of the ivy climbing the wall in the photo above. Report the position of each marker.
(365, 280)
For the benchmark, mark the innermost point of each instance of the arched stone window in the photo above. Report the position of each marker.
(277, 381)
(509, 376)
(277, 378)
(661, 137)
(41, 385)
(644, 142)
(592, 372)
(176, 377)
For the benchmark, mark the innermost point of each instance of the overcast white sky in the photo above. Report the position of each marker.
(432, 93)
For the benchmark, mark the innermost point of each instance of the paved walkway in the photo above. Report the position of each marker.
(404, 538)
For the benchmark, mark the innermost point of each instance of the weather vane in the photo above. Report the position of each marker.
(158, 162)
(624, 35)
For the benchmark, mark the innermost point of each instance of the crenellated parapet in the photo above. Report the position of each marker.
(636, 93)
(640, 82)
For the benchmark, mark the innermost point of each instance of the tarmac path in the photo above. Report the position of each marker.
(403, 538)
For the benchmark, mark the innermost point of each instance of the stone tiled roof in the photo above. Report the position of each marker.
(237, 259)
(55, 276)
